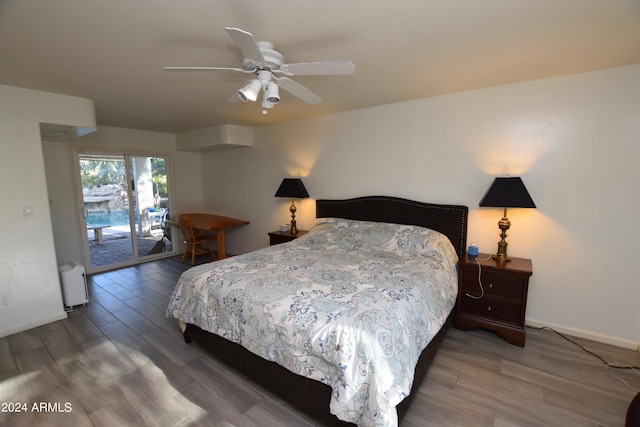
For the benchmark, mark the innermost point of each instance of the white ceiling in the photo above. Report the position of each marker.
(113, 51)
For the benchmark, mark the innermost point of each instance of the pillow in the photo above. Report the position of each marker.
(403, 240)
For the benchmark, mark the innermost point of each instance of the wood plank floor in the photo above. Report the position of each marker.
(119, 362)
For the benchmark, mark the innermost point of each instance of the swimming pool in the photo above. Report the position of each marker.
(108, 219)
(116, 218)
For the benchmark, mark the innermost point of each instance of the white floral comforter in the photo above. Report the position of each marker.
(351, 304)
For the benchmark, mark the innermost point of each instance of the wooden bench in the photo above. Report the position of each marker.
(97, 232)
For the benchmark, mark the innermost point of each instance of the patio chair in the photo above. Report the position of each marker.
(165, 224)
(193, 243)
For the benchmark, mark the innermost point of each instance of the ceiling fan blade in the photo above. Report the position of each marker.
(298, 90)
(237, 70)
(247, 44)
(319, 68)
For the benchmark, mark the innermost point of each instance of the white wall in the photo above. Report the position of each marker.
(186, 173)
(60, 184)
(572, 139)
(29, 281)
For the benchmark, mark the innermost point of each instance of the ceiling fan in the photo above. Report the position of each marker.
(271, 71)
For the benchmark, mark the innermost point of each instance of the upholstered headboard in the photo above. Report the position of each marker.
(450, 220)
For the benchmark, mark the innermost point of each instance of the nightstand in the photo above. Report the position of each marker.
(502, 306)
(277, 237)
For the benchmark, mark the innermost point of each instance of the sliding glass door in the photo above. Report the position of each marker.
(124, 208)
(150, 205)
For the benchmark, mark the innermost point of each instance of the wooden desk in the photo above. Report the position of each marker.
(217, 223)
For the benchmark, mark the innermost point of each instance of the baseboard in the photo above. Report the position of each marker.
(589, 335)
(33, 324)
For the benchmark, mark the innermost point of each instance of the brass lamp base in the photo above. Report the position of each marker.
(504, 224)
(501, 258)
(293, 230)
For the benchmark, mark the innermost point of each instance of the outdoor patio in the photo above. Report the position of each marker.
(117, 245)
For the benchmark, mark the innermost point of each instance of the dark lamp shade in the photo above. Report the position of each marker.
(292, 188)
(508, 192)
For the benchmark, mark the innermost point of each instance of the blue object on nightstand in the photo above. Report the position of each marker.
(473, 250)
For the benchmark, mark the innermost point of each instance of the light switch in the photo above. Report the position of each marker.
(27, 212)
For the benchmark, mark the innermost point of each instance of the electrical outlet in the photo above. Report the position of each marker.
(4, 303)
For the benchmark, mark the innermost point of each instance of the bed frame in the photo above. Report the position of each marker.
(312, 397)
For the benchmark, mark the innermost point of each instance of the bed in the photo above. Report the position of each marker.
(343, 322)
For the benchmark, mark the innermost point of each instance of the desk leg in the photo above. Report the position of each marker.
(98, 234)
(220, 238)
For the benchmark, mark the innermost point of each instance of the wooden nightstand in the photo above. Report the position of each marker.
(503, 305)
(277, 237)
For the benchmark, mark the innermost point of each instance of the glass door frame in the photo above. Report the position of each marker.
(127, 155)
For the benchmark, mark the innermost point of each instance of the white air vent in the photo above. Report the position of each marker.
(215, 138)
(55, 132)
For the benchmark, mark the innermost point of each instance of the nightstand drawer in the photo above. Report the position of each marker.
(492, 309)
(494, 285)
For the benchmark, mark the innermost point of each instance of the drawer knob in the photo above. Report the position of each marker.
(489, 308)
(491, 285)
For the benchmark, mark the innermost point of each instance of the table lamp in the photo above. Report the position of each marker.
(293, 188)
(507, 192)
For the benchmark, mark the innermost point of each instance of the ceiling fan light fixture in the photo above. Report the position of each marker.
(272, 94)
(266, 103)
(250, 91)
